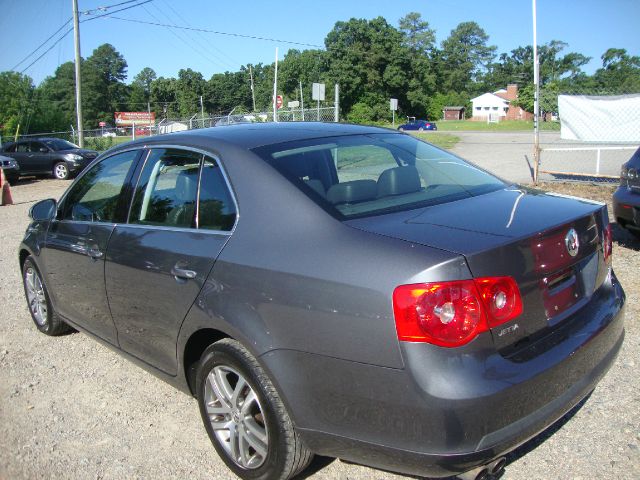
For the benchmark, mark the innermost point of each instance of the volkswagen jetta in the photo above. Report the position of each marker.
(333, 289)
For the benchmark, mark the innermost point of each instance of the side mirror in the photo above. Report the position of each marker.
(43, 210)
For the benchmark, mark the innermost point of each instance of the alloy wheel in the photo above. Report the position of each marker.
(236, 417)
(35, 295)
(60, 171)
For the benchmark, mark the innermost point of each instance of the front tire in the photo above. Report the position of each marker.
(61, 171)
(39, 302)
(245, 417)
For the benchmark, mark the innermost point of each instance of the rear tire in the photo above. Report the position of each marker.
(39, 303)
(245, 417)
(421, 129)
(61, 171)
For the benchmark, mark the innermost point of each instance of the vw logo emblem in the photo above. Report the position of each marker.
(572, 243)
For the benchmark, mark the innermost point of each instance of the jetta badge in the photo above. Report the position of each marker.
(572, 242)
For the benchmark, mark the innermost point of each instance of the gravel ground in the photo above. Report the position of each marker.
(71, 408)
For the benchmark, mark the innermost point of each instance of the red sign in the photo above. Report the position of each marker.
(102, 124)
(139, 118)
(279, 101)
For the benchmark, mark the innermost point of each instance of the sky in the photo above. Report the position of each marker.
(588, 26)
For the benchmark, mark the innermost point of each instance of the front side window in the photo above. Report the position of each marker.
(361, 175)
(184, 189)
(57, 144)
(94, 198)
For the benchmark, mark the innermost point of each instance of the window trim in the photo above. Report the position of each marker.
(93, 163)
(200, 151)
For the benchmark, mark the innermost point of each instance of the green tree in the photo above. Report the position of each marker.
(368, 57)
(56, 100)
(16, 94)
(464, 58)
(189, 87)
(103, 88)
(229, 90)
(620, 72)
(140, 89)
(163, 96)
(419, 38)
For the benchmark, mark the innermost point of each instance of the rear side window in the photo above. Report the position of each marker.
(94, 197)
(362, 175)
(183, 189)
(216, 209)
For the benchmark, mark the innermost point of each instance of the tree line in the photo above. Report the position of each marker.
(371, 60)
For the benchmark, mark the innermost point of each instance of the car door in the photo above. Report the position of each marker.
(76, 244)
(40, 157)
(21, 151)
(180, 219)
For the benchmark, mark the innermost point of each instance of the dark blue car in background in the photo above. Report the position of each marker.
(419, 125)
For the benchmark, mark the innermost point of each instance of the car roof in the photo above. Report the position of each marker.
(252, 135)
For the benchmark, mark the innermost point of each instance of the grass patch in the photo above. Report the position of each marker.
(442, 140)
(503, 126)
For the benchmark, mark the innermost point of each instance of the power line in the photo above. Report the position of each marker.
(42, 44)
(201, 51)
(239, 35)
(115, 11)
(199, 34)
(107, 7)
(71, 29)
(48, 49)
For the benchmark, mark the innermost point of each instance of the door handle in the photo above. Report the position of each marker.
(183, 273)
(95, 253)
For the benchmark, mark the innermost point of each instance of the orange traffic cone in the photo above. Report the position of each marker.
(6, 190)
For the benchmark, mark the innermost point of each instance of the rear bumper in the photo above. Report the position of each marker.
(446, 412)
(626, 207)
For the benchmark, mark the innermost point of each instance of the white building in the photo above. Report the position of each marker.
(489, 104)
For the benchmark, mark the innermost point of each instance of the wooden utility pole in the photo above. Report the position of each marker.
(536, 98)
(253, 95)
(275, 90)
(76, 37)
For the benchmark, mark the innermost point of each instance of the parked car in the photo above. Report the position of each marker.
(626, 198)
(10, 168)
(420, 125)
(48, 156)
(411, 311)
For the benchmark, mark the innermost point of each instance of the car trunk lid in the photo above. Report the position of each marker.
(519, 233)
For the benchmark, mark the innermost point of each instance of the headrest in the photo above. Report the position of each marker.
(398, 180)
(352, 192)
(187, 185)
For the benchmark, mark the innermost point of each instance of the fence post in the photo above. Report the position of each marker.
(598, 161)
(336, 112)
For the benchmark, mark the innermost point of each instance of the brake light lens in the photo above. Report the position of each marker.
(451, 314)
(607, 243)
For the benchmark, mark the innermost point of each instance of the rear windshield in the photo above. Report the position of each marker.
(363, 175)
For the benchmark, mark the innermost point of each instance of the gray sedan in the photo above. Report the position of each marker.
(333, 289)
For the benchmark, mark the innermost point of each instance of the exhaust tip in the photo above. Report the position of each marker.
(483, 474)
(496, 467)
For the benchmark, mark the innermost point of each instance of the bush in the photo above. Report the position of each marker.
(99, 143)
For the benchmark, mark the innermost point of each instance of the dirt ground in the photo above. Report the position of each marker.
(71, 408)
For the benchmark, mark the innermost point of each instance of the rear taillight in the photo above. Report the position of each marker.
(607, 243)
(451, 314)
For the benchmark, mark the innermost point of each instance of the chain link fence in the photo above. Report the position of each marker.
(104, 138)
(589, 133)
